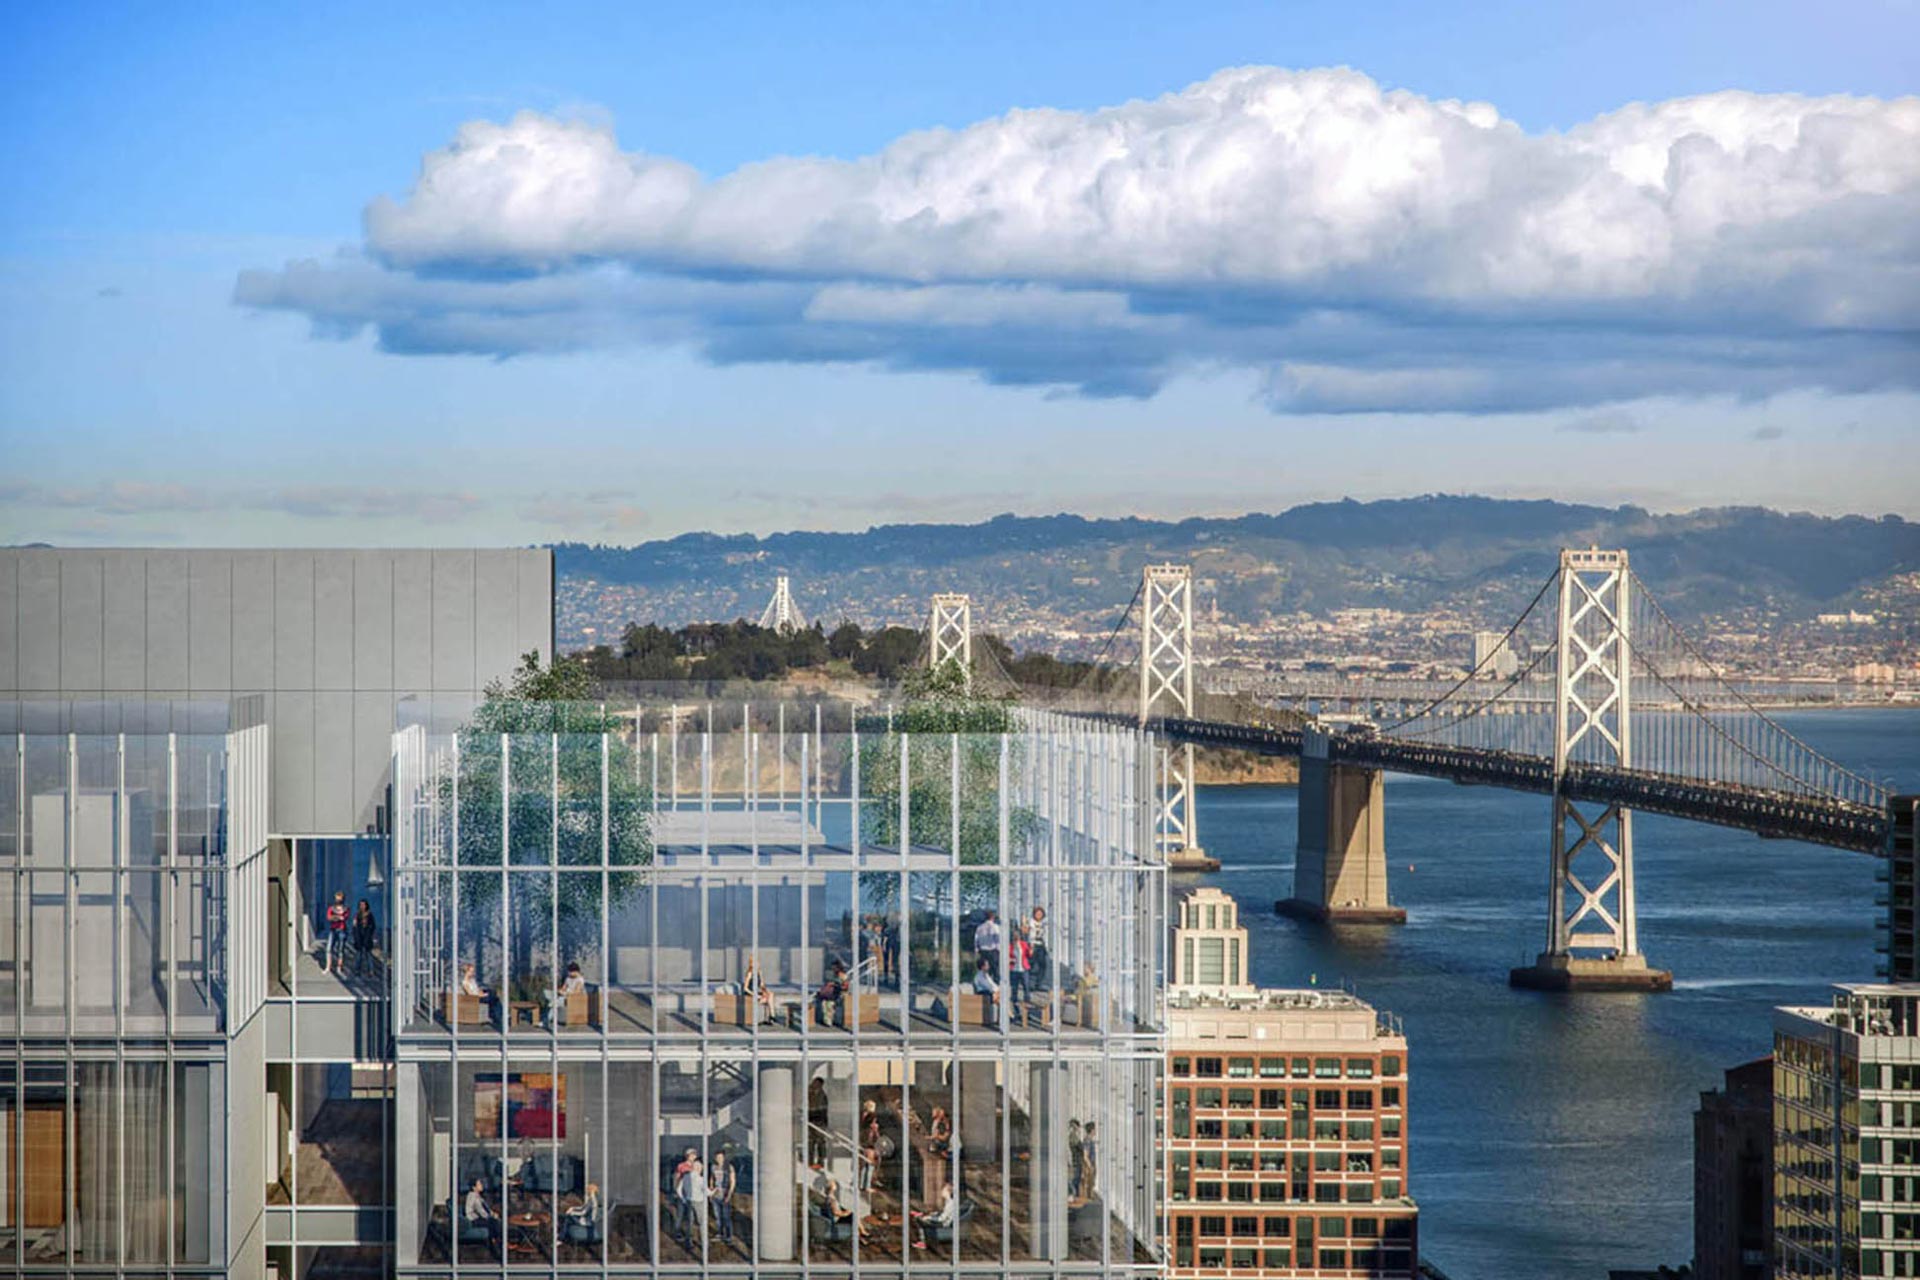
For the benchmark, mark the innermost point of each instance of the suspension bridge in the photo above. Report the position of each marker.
(1615, 710)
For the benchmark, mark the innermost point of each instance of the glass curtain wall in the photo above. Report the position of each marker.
(775, 999)
(122, 825)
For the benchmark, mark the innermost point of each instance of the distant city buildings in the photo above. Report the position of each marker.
(1733, 1175)
(1286, 1142)
(1493, 657)
(1846, 1095)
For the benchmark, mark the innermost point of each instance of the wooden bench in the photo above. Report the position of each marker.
(971, 1009)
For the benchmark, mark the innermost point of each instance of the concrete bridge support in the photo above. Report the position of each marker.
(1340, 861)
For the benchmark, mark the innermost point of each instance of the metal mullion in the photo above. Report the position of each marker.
(121, 880)
(68, 885)
(605, 902)
(553, 963)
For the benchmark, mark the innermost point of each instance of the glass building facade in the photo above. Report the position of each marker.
(774, 1002)
(129, 986)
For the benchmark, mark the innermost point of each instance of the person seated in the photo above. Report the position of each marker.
(580, 1222)
(838, 1213)
(470, 986)
(984, 984)
(832, 992)
(478, 1212)
(572, 982)
(940, 1133)
(941, 1217)
(755, 988)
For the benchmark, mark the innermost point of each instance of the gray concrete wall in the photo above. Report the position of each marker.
(334, 639)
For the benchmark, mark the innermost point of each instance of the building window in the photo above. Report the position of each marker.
(1240, 1068)
(1207, 1068)
(1273, 1068)
(1326, 1068)
(1360, 1068)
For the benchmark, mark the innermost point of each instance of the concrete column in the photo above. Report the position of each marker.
(1047, 1170)
(979, 1122)
(1340, 861)
(775, 1168)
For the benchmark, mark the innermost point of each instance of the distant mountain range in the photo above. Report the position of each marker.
(1411, 554)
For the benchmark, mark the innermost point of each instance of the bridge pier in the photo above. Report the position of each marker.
(1340, 859)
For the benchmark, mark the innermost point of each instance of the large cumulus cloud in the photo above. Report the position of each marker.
(1359, 248)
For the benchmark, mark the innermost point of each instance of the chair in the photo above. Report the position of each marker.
(588, 1232)
(464, 1010)
(731, 1009)
(825, 1228)
(938, 1234)
(583, 1008)
(869, 1009)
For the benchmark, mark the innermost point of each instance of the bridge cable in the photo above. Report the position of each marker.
(1491, 654)
(1872, 789)
(1092, 668)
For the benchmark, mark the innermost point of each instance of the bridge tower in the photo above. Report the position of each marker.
(1166, 688)
(781, 614)
(1592, 934)
(950, 633)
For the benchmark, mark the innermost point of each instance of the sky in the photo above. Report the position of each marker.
(354, 275)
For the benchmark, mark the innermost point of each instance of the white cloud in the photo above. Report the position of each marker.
(1363, 248)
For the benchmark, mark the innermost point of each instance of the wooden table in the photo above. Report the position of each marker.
(529, 1007)
(527, 1232)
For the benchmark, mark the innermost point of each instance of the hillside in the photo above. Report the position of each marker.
(1478, 555)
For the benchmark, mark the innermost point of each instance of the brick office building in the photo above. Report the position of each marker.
(1286, 1120)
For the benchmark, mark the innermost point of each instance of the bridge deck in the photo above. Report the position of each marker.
(1777, 814)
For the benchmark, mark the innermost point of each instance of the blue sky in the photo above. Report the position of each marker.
(1254, 319)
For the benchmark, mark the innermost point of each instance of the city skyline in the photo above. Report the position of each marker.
(360, 325)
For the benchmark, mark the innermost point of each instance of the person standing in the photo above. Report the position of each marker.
(336, 935)
(1019, 964)
(677, 1188)
(1090, 1164)
(986, 943)
(817, 1111)
(721, 1184)
(890, 950)
(365, 933)
(1037, 939)
(693, 1194)
(1076, 1149)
